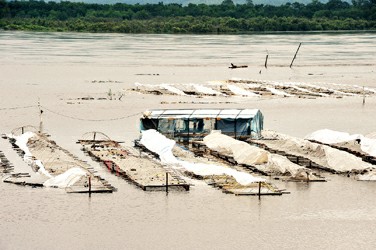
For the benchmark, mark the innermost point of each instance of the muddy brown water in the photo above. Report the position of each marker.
(59, 68)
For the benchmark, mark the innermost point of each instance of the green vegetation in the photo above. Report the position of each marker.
(175, 18)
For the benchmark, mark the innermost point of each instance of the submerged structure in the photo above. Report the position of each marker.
(193, 124)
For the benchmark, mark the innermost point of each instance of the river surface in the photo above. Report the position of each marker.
(55, 68)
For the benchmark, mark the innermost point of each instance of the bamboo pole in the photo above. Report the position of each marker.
(40, 117)
(295, 55)
(364, 96)
(166, 182)
(266, 59)
(89, 185)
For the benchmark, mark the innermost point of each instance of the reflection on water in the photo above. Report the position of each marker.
(338, 214)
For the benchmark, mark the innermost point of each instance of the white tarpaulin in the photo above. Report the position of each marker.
(324, 155)
(328, 136)
(241, 151)
(244, 153)
(21, 142)
(63, 180)
(66, 179)
(172, 89)
(205, 90)
(370, 176)
(161, 145)
(242, 92)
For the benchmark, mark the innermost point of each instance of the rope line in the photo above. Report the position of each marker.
(71, 117)
(90, 120)
(24, 107)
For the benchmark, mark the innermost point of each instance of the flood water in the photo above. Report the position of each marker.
(56, 67)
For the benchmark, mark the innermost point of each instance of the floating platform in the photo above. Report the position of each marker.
(86, 191)
(267, 89)
(55, 160)
(228, 184)
(145, 173)
(297, 159)
(200, 148)
(17, 172)
(364, 156)
(5, 166)
(25, 179)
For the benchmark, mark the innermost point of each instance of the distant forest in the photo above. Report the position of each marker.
(226, 17)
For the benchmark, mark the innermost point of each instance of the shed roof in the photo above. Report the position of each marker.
(201, 113)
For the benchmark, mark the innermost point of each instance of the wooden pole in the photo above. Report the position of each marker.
(364, 97)
(295, 55)
(266, 61)
(166, 182)
(89, 185)
(259, 191)
(40, 117)
(188, 130)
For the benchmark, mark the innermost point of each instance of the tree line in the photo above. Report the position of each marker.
(226, 17)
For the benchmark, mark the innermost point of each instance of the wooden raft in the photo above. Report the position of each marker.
(228, 184)
(143, 172)
(299, 160)
(365, 157)
(200, 148)
(57, 160)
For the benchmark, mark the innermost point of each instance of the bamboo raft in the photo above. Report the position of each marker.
(142, 172)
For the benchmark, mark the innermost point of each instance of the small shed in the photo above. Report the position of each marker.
(190, 124)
